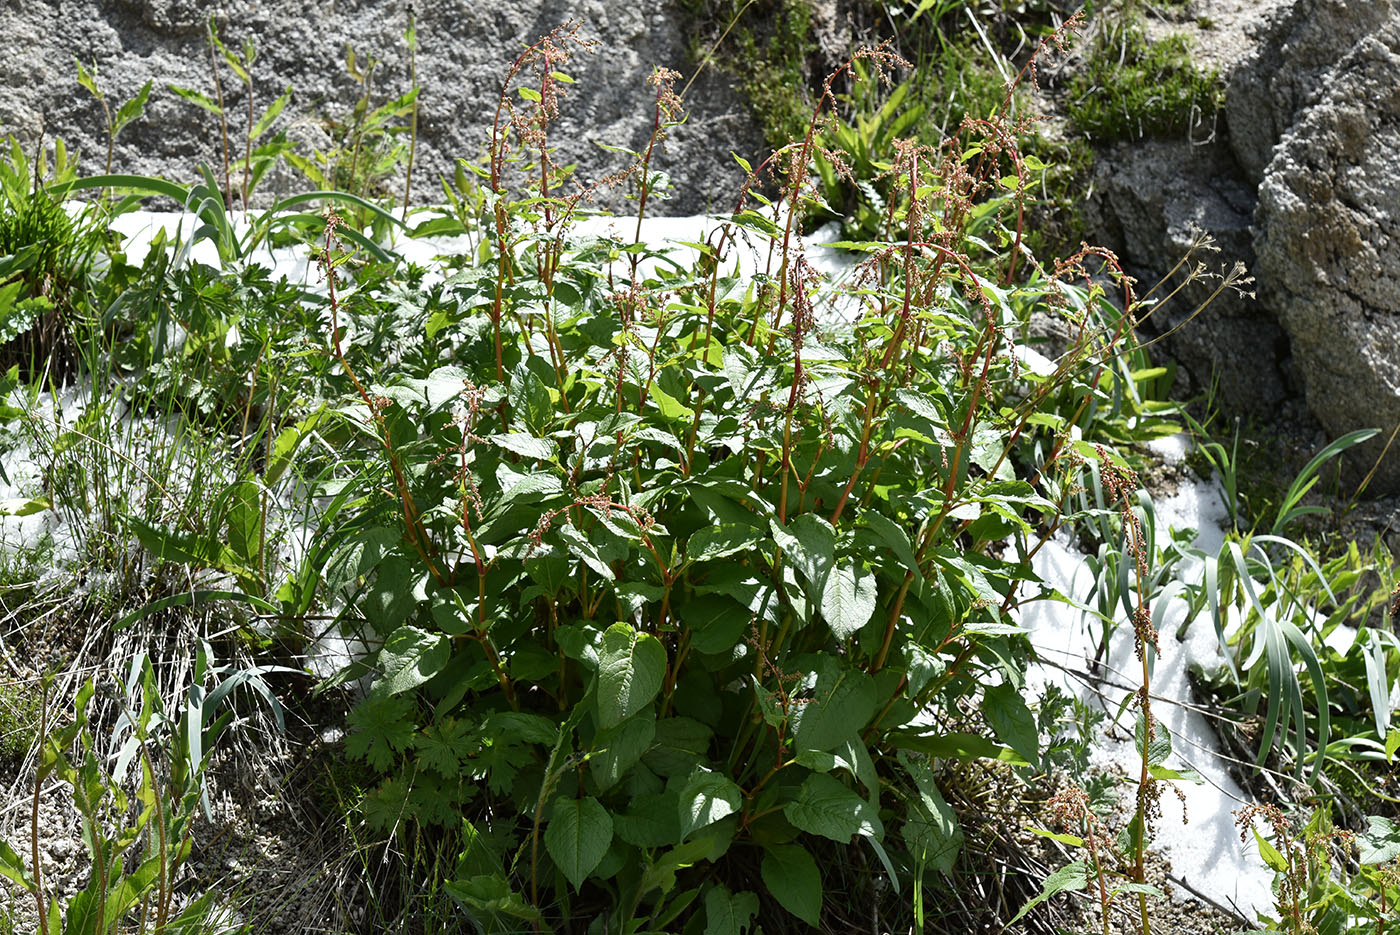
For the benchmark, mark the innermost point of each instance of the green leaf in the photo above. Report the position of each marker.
(409, 658)
(848, 600)
(826, 807)
(491, 895)
(1271, 856)
(792, 877)
(1006, 712)
(22, 507)
(194, 97)
(1070, 877)
(706, 798)
(87, 79)
(271, 114)
(519, 727)
(728, 913)
(131, 109)
(844, 703)
(618, 749)
(1159, 748)
(379, 728)
(713, 542)
(671, 409)
(894, 537)
(810, 543)
(530, 400)
(680, 744)
(527, 446)
(1381, 842)
(12, 867)
(652, 821)
(931, 829)
(716, 622)
(631, 666)
(530, 94)
(577, 837)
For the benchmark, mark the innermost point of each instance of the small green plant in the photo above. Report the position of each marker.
(19, 719)
(255, 162)
(366, 146)
(1258, 587)
(136, 844)
(44, 258)
(772, 39)
(1130, 88)
(1320, 886)
(126, 113)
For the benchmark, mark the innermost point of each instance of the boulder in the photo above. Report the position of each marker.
(464, 50)
(1152, 200)
(1329, 245)
(1294, 48)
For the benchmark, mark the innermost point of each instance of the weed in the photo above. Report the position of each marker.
(1129, 88)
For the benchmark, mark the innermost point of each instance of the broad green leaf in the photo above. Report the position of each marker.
(631, 666)
(409, 658)
(21, 507)
(491, 895)
(843, 703)
(931, 830)
(651, 821)
(618, 749)
(530, 400)
(716, 622)
(923, 667)
(966, 747)
(713, 542)
(792, 877)
(848, 600)
(680, 744)
(577, 837)
(527, 446)
(585, 550)
(671, 409)
(1070, 877)
(1006, 712)
(826, 807)
(728, 913)
(706, 798)
(810, 544)
(519, 727)
(1273, 859)
(1381, 842)
(1159, 748)
(894, 537)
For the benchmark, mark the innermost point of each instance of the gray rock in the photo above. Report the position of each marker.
(1296, 46)
(1151, 200)
(1329, 245)
(464, 49)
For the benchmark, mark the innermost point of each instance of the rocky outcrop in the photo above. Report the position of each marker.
(1153, 200)
(1301, 181)
(1329, 244)
(464, 48)
(1293, 52)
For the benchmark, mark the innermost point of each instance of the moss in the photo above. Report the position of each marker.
(1130, 88)
(766, 50)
